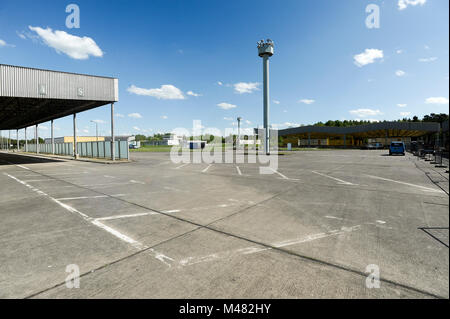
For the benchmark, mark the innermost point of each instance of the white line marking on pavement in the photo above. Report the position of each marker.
(136, 182)
(126, 216)
(104, 184)
(332, 217)
(23, 167)
(206, 169)
(238, 170)
(97, 223)
(251, 250)
(118, 234)
(336, 179)
(277, 172)
(426, 189)
(181, 166)
(89, 197)
(39, 180)
(171, 211)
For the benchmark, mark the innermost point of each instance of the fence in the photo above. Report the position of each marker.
(60, 148)
(103, 149)
(85, 149)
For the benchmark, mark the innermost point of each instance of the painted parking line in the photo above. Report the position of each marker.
(136, 244)
(181, 166)
(207, 168)
(91, 197)
(277, 172)
(21, 166)
(426, 189)
(126, 216)
(255, 249)
(340, 181)
(238, 170)
(137, 182)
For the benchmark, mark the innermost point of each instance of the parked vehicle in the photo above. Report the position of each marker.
(397, 148)
(373, 146)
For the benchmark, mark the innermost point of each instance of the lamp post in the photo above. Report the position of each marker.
(265, 51)
(239, 119)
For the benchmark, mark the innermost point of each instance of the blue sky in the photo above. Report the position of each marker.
(327, 63)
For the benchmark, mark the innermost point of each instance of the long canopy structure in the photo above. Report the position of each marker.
(385, 130)
(31, 96)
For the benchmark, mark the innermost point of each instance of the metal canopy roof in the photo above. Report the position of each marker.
(393, 129)
(31, 96)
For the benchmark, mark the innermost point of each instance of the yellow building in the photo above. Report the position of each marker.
(80, 139)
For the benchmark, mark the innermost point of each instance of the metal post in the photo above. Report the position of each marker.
(26, 141)
(345, 141)
(265, 50)
(36, 138)
(266, 102)
(309, 139)
(53, 139)
(17, 140)
(239, 132)
(9, 139)
(75, 135)
(113, 153)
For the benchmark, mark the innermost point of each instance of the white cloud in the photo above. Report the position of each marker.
(400, 51)
(21, 35)
(284, 125)
(119, 115)
(42, 127)
(367, 57)
(248, 122)
(99, 121)
(86, 131)
(425, 60)
(307, 101)
(403, 4)
(365, 112)
(228, 118)
(219, 83)
(400, 73)
(243, 87)
(4, 44)
(135, 115)
(276, 102)
(165, 92)
(75, 47)
(193, 94)
(226, 106)
(164, 117)
(402, 105)
(437, 100)
(405, 113)
(136, 128)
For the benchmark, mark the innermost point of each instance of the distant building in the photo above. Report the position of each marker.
(80, 139)
(171, 139)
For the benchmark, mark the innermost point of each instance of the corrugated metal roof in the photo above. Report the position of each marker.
(30, 96)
